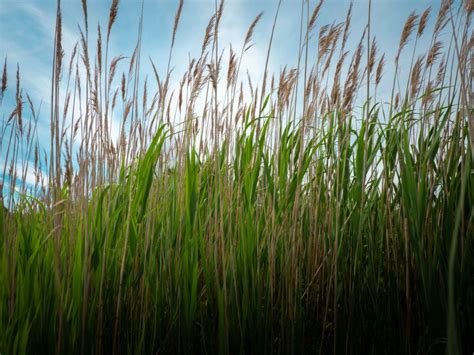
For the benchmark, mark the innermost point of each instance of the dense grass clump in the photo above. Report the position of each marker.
(280, 220)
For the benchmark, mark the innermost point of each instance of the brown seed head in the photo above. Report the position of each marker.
(248, 36)
(379, 71)
(314, 15)
(415, 77)
(84, 10)
(407, 30)
(59, 48)
(372, 55)
(99, 48)
(112, 16)
(208, 34)
(347, 26)
(433, 54)
(423, 21)
(4, 78)
(176, 21)
(443, 11)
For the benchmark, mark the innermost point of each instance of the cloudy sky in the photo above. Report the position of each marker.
(27, 35)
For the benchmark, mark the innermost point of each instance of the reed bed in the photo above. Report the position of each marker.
(237, 216)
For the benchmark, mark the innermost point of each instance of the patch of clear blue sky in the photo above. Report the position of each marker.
(27, 36)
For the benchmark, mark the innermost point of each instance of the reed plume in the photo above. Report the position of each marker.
(112, 17)
(408, 28)
(176, 21)
(4, 79)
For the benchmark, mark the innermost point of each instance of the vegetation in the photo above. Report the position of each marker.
(273, 219)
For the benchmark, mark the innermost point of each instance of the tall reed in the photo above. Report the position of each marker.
(273, 218)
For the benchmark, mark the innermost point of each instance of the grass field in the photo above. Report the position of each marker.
(270, 217)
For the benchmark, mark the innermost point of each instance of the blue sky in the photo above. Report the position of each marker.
(27, 35)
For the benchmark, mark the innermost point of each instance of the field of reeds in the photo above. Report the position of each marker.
(297, 214)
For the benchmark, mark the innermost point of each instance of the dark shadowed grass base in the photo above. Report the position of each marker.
(371, 319)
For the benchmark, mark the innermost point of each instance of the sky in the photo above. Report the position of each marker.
(27, 35)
